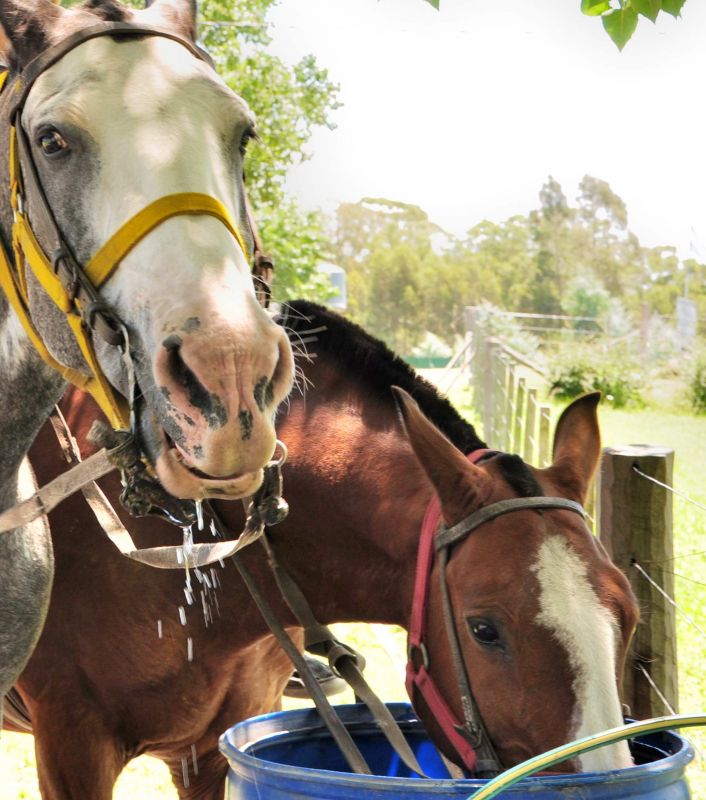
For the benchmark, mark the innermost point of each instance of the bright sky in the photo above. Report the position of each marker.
(466, 111)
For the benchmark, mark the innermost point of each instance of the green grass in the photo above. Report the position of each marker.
(384, 647)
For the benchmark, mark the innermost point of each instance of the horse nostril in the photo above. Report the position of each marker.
(184, 377)
(263, 393)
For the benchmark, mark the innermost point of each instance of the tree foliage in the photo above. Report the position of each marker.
(620, 17)
(289, 102)
(406, 276)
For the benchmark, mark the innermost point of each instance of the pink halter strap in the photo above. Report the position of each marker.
(417, 675)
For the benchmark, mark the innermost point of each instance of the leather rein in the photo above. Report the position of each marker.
(469, 737)
(40, 244)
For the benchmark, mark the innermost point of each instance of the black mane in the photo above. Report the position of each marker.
(107, 10)
(374, 362)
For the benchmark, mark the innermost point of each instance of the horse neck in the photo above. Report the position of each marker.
(357, 497)
(29, 387)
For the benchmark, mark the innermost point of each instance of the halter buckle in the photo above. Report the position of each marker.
(421, 651)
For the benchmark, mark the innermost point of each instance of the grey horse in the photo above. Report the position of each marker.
(116, 124)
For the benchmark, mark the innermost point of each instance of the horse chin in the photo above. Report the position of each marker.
(188, 483)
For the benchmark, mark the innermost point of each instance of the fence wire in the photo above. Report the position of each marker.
(669, 488)
(656, 689)
(669, 599)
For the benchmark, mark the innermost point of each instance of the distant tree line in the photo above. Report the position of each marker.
(407, 276)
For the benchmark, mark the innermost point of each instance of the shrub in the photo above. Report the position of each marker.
(588, 368)
(698, 384)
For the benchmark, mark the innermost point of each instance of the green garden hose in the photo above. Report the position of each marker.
(566, 751)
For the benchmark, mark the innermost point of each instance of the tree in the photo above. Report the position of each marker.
(289, 102)
(386, 249)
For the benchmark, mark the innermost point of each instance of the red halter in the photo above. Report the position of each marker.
(474, 748)
(418, 661)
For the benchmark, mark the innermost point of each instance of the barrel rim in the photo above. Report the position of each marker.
(357, 717)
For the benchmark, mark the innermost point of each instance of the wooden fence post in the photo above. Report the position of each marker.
(636, 527)
(519, 415)
(489, 378)
(544, 450)
(530, 427)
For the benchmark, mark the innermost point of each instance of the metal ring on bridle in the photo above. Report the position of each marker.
(280, 445)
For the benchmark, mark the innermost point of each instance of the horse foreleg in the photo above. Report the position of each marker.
(77, 757)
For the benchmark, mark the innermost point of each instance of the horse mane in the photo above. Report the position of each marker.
(372, 361)
(106, 10)
(519, 476)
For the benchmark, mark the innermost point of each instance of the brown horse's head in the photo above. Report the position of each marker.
(115, 124)
(542, 615)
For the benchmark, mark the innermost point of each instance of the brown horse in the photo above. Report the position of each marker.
(542, 616)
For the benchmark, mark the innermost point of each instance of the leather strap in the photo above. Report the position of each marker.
(338, 730)
(49, 496)
(123, 30)
(343, 660)
(449, 536)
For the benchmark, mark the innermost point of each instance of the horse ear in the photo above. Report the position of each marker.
(577, 446)
(460, 485)
(177, 14)
(26, 27)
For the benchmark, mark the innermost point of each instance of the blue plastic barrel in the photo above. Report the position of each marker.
(290, 755)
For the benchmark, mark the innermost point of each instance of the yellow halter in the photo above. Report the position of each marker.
(29, 252)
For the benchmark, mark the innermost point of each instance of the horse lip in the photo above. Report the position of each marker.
(188, 483)
(183, 458)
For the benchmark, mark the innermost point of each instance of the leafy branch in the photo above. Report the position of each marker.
(620, 17)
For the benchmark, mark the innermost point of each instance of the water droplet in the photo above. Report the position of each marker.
(185, 772)
(182, 615)
(205, 608)
(193, 759)
(199, 514)
(159, 628)
(189, 649)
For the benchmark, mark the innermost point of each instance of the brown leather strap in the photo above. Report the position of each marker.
(122, 30)
(338, 730)
(49, 496)
(343, 660)
(263, 265)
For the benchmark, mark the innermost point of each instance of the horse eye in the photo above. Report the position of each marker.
(52, 142)
(249, 134)
(484, 632)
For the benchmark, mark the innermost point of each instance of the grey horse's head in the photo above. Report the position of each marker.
(114, 125)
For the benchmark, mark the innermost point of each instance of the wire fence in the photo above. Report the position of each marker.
(506, 389)
(646, 570)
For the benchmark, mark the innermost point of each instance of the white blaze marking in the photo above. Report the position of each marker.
(571, 609)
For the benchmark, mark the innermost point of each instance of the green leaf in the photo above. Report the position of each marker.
(648, 8)
(673, 7)
(620, 25)
(434, 3)
(594, 8)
